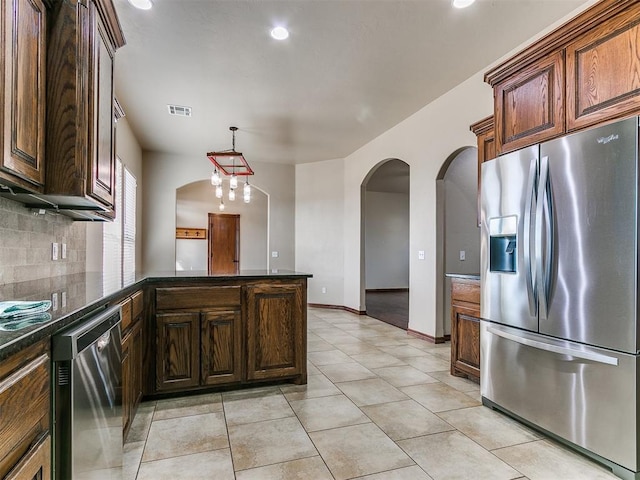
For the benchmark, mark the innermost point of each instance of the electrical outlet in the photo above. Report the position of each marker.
(420, 254)
(54, 300)
(274, 254)
(54, 251)
(63, 250)
(324, 289)
(463, 255)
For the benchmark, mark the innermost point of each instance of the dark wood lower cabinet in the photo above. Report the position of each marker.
(229, 332)
(465, 328)
(25, 404)
(133, 347)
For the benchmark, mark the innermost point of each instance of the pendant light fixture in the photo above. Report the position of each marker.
(232, 164)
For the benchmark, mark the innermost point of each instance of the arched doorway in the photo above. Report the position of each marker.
(385, 242)
(196, 200)
(458, 235)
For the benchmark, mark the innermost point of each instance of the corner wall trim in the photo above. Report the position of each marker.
(428, 338)
(337, 307)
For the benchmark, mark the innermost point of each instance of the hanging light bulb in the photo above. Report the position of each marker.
(247, 188)
(215, 178)
(233, 181)
(219, 191)
(221, 206)
(232, 195)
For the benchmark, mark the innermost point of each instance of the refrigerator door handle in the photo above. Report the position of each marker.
(541, 274)
(592, 356)
(529, 268)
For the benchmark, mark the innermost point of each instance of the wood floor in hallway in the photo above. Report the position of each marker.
(391, 307)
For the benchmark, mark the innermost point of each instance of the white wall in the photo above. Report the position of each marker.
(319, 227)
(424, 141)
(386, 240)
(193, 205)
(129, 151)
(164, 173)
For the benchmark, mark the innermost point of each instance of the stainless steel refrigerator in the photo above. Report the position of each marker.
(559, 272)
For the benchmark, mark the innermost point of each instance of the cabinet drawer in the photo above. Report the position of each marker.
(197, 297)
(137, 304)
(465, 291)
(126, 314)
(24, 400)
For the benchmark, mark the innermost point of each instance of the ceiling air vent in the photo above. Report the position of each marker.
(180, 111)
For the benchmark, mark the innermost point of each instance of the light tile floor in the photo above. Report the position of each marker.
(379, 405)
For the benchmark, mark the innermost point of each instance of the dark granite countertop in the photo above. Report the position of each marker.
(470, 276)
(79, 295)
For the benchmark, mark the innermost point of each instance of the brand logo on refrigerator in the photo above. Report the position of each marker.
(610, 138)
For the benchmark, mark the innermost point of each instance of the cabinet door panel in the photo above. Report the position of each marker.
(24, 59)
(36, 464)
(603, 72)
(24, 397)
(274, 331)
(101, 135)
(221, 358)
(178, 350)
(465, 342)
(529, 106)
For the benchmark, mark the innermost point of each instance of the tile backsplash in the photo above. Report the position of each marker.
(26, 240)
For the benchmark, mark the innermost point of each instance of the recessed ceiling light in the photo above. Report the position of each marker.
(462, 3)
(141, 4)
(280, 33)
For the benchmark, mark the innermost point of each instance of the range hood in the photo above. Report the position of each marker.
(77, 208)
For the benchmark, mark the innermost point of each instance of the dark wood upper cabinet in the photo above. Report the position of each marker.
(486, 140)
(529, 106)
(23, 26)
(84, 35)
(583, 73)
(603, 69)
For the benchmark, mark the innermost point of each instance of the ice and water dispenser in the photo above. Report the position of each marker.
(503, 245)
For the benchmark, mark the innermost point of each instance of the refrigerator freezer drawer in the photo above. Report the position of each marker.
(585, 395)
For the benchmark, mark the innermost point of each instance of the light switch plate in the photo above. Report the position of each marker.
(63, 250)
(63, 299)
(54, 251)
(54, 300)
(463, 255)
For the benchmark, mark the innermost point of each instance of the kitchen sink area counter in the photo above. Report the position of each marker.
(77, 295)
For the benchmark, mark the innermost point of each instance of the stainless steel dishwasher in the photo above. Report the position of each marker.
(87, 426)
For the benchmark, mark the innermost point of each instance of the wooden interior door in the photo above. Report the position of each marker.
(224, 243)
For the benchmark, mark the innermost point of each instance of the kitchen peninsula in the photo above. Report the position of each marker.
(181, 331)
